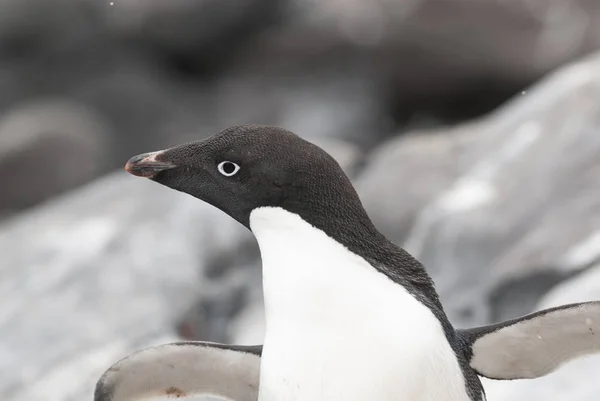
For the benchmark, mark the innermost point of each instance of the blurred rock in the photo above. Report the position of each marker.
(408, 171)
(516, 200)
(210, 317)
(248, 327)
(522, 36)
(47, 147)
(576, 381)
(91, 277)
(193, 35)
(582, 288)
(28, 27)
(447, 59)
(313, 102)
(148, 110)
(162, 72)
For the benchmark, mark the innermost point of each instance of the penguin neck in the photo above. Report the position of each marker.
(302, 262)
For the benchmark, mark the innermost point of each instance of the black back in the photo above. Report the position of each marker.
(278, 168)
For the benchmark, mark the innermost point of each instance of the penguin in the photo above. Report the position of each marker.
(350, 316)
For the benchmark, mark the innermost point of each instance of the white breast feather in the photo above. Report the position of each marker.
(338, 330)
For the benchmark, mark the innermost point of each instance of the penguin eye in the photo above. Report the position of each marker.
(228, 168)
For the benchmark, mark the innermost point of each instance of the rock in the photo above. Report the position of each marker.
(428, 63)
(249, 326)
(582, 288)
(192, 34)
(147, 110)
(47, 147)
(40, 26)
(209, 319)
(313, 101)
(150, 111)
(404, 173)
(140, 109)
(575, 380)
(517, 198)
(93, 276)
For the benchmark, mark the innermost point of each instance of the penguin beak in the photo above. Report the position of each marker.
(147, 165)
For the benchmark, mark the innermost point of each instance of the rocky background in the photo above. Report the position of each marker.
(471, 129)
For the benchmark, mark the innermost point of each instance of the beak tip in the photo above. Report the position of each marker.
(146, 165)
(130, 168)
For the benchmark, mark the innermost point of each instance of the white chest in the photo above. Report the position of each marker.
(337, 330)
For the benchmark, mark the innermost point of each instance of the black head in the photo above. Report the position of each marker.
(246, 167)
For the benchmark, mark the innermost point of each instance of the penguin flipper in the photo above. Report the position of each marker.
(184, 369)
(536, 344)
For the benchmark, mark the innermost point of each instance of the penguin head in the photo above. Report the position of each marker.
(246, 167)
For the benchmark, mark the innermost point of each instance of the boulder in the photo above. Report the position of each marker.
(90, 277)
(46, 147)
(29, 27)
(513, 205)
(453, 59)
(192, 36)
(312, 100)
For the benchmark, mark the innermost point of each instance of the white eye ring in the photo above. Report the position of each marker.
(225, 168)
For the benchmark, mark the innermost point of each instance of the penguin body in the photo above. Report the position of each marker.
(350, 316)
(374, 339)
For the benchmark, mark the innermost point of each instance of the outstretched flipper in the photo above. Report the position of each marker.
(534, 345)
(184, 369)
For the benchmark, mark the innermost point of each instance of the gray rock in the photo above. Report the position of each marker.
(47, 147)
(404, 173)
(516, 199)
(196, 32)
(582, 288)
(425, 54)
(313, 101)
(43, 26)
(93, 276)
(147, 110)
(576, 381)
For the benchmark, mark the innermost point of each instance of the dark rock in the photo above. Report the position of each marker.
(47, 147)
(147, 109)
(30, 27)
(447, 60)
(209, 319)
(312, 101)
(192, 37)
(519, 295)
